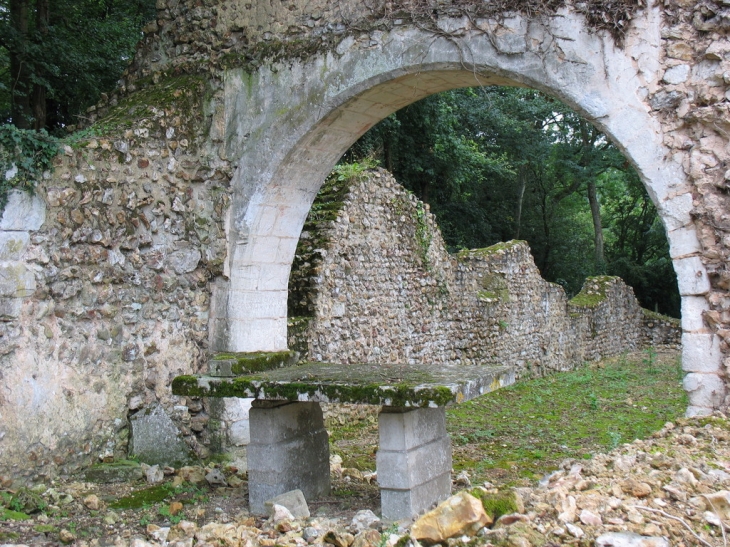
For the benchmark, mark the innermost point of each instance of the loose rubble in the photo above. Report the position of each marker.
(672, 489)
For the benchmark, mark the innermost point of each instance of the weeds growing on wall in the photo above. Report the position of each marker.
(24, 156)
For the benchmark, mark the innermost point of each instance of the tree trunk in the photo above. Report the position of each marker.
(520, 200)
(20, 85)
(597, 227)
(38, 100)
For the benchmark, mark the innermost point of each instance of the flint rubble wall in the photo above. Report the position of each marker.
(381, 288)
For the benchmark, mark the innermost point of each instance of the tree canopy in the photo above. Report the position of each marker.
(500, 163)
(58, 56)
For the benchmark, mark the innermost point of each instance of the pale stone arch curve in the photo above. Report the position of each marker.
(288, 123)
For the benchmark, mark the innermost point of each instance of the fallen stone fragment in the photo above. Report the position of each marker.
(675, 492)
(575, 531)
(234, 481)
(339, 538)
(629, 539)
(310, 534)
(685, 476)
(462, 514)
(158, 533)
(215, 477)
(154, 474)
(92, 502)
(278, 513)
(590, 519)
(462, 479)
(66, 536)
(218, 534)
(568, 510)
(293, 501)
(363, 520)
(636, 488)
(509, 520)
(193, 474)
(718, 504)
(368, 538)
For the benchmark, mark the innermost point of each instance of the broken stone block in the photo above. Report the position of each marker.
(121, 471)
(293, 500)
(462, 514)
(156, 440)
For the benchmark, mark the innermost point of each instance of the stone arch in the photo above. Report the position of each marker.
(289, 122)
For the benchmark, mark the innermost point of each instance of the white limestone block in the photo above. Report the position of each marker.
(23, 212)
(691, 276)
(701, 353)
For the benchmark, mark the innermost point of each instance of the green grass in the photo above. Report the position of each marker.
(526, 430)
(517, 434)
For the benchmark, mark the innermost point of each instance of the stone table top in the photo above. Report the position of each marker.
(376, 384)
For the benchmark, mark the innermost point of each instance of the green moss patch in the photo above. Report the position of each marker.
(594, 291)
(654, 316)
(375, 384)
(496, 505)
(498, 248)
(233, 364)
(144, 498)
(8, 514)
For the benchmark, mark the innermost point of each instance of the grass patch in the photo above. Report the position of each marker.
(144, 498)
(517, 434)
(535, 424)
(9, 514)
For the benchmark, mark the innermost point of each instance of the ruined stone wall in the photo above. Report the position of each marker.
(101, 308)
(381, 288)
(109, 296)
(693, 106)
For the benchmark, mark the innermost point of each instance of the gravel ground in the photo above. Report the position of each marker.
(671, 489)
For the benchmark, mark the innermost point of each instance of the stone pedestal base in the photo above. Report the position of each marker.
(413, 461)
(289, 449)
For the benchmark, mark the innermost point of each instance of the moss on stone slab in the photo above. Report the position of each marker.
(228, 364)
(594, 291)
(388, 385)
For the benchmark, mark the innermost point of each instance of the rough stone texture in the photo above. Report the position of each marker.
(289, 450)
(413, 460)
(282, 89)
(155, 440)
(96, 319)
(460, 515)
(379, 287)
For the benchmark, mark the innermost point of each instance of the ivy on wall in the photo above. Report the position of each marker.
(24, 156)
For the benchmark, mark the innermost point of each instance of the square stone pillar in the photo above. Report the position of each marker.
(289, 449)
(413, 461)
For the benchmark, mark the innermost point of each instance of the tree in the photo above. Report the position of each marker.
(498, 163)
(58, 56)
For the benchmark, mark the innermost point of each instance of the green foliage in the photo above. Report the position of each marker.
(500, 163)
(424, 236)
(611, 402)
(165, 512)
(26, 153)
(81, 54)
(344, 172)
